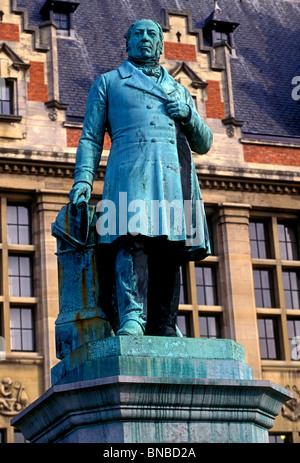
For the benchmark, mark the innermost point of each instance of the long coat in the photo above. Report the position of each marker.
(150, 176)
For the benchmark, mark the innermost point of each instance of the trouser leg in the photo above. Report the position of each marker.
(131, 274)
(164, 291)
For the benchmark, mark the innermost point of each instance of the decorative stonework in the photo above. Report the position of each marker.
(13, 397)
(291, 409)
(182, 67)
(206, 182)
(52, 114)
(22, 11)
(230, 131)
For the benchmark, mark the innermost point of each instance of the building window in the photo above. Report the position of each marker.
(291, 285)
(183, 323)
(61, 11)
(62, 20)
(18, 437)
(210, 233)
(288, 241)
(280, 438)
(259, 240)
(18, 306)
(21, 329)
(198, 294)
(294, 337)
(2, 436)
(221, 37)
(276, 283)
(6, 96)
(20, 276)
(209, 326)
(263, 287)
(183, 298)
(206, 285)
(18, 225)
(268, 338)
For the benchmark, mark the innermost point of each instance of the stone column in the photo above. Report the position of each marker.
(48, 35)
(236, 280)
(46, 208)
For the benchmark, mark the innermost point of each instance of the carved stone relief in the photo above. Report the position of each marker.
(13, 397)
(291, 409)
(230, 131)
(52, 114)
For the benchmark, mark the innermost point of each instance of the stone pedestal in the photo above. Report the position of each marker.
(154, 390)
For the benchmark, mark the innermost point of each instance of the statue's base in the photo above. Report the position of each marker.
(154, 390)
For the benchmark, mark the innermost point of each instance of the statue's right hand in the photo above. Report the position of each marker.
(80, 191)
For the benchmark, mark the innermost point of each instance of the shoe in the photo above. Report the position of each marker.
(131, 328)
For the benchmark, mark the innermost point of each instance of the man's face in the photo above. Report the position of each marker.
(144, 42)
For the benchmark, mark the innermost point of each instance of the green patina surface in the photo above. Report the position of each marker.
(155, 346)
(154, 357)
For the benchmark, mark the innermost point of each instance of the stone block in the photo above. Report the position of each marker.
(126, 409)
(153, 356)
(154, 390)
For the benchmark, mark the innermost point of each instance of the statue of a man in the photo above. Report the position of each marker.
(151, 195)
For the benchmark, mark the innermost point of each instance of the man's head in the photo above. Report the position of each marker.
(144, 40)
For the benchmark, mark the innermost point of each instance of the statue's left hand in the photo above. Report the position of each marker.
(178, 110)
(80, 191)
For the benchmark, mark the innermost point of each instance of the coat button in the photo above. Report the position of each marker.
(171, 124)
(172, 141)
(154, 140)
(152, 123)
(149, 106)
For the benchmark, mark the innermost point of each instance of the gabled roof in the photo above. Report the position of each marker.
(267, 44)
(17, 62)
(196, 81)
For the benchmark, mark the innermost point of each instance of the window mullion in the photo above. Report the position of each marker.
(192, 288)
(5, 279)
(284, 337)
(279, 289)
(195, 323)
(195, 331)
(285, 343)
(275, 238)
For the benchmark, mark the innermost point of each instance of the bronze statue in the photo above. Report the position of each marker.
(151, 215)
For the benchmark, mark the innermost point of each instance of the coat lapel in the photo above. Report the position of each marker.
(137, 79)
(168, 84)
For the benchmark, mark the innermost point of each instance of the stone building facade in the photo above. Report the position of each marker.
(238, 59)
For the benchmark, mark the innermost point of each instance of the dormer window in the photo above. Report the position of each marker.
(60, 12)
(218, 29)
(221, 37)
(62, 20)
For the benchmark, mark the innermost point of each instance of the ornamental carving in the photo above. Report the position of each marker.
(230, 131)
(52, 114)
(291, 409)
(13, 397)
